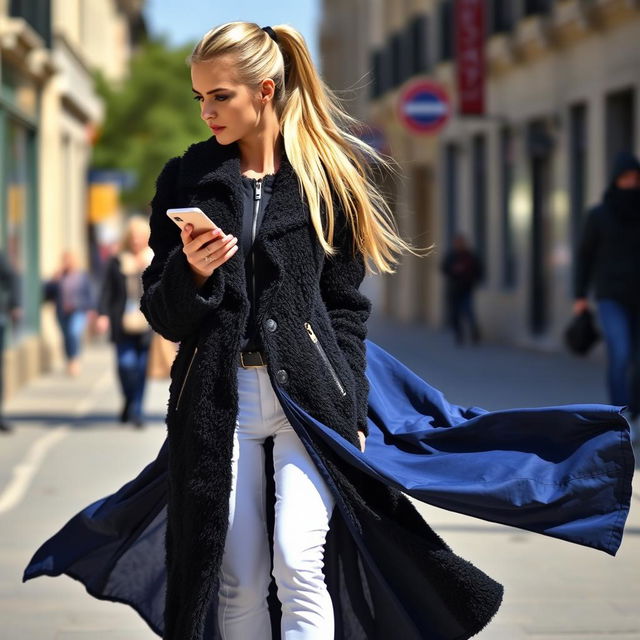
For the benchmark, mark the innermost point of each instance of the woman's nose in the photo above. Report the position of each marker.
(207, 113)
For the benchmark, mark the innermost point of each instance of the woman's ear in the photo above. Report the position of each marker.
(267, 90)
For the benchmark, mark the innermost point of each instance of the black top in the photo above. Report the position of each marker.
(9, 289)
(255, 275)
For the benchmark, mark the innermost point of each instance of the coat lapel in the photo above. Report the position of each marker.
(209, 163)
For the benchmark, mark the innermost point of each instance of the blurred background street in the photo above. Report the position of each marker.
(505, 120)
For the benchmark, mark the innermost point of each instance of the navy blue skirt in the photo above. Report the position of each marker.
(561, 471)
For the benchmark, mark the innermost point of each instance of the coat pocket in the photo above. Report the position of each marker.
(186, 377)
(325, 358)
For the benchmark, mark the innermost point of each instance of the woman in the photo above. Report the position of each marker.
(119, 308)
(262, 516)
(71, 291)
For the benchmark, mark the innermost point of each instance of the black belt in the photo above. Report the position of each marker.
(249, 359)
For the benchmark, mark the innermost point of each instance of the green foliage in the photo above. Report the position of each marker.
(149, 118)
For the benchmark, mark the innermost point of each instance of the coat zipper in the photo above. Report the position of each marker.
(325, 358)
(257, 196)
(186, 376)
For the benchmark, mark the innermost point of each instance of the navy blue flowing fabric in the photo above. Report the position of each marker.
(562, 471)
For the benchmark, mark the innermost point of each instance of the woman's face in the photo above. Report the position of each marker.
(231, 110)
(138, 239)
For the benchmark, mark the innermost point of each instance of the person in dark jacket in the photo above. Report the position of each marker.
(272, 509)
(9, 312)
(608, 260)
(72, 292)
(463, 271)
(119, 309)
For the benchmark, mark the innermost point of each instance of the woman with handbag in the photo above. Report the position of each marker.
(119, 309)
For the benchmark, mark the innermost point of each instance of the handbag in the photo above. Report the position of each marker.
(133, 320)
(582, 334)
(162, 353)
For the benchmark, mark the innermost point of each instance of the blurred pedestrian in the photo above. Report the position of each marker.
(72, 292)
(119, 309)
(608, 257)
(9, 312)
(463, 271)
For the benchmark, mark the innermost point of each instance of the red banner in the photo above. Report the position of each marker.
(470, 62)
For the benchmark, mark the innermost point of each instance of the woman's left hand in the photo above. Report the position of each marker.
(362, 440)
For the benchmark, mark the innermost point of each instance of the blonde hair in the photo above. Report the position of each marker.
(133, 223)
(328, 160)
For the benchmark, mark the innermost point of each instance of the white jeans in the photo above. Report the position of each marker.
(303, 507)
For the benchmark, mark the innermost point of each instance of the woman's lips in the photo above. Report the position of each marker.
(216, 129)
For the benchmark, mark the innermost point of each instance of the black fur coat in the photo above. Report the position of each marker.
(453, 598)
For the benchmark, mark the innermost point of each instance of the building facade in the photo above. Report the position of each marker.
(561, 99)
(48, 112)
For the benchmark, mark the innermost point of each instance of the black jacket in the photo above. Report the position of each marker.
(112, 302)
(9, 290)
(326, 378)
(608, 254)
(463, 270)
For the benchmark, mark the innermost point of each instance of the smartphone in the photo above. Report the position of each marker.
(193, 216)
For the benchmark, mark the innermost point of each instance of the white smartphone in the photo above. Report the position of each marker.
(193, 216)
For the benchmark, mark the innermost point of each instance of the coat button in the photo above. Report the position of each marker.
(272, 325)
(282, 376)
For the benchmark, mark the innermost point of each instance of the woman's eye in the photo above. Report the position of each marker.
(218, 98)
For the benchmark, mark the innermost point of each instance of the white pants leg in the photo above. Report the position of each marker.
(303, 507)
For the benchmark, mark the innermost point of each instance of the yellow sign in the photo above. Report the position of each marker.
(104, 201)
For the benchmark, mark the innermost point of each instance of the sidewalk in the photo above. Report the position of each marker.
(67, 450)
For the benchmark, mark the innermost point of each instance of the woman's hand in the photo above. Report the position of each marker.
(580, 305)
(207, 251)
(362, 440)
(101, 324)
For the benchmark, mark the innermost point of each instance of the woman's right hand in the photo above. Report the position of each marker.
(580, 305)
(207, 251)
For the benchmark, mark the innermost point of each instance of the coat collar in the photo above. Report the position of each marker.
(208, 163)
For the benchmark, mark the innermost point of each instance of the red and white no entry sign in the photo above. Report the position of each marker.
(424, 107)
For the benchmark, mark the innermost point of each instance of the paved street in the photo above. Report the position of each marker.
(67, 451)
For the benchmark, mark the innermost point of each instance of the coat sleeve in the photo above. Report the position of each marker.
(171, 301)
(586, 255)
(348, 309)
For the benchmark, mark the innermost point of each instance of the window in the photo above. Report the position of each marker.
(502, 16)
(381, 62)
(451, 191)
(620, 124)
(19, 232)
(418, 38)
(37, 13)
(537, 6)
(445, 24)
(507, 162)
(397, 60)
(577, 168)
(479, 184)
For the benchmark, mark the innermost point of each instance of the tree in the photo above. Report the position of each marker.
(149, 118)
